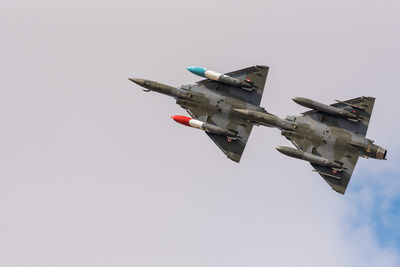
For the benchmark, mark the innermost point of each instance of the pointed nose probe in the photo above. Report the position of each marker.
(137, 81)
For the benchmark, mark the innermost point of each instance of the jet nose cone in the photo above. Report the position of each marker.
(296, 99)
(137, 81)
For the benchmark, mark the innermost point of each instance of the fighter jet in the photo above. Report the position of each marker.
(210, 104)
(227, 106)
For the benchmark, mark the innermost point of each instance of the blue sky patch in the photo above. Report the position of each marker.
(374, 202)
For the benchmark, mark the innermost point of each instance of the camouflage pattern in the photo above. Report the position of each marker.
(338, 139)
(331, 138)
(213, 102)
(331, 143)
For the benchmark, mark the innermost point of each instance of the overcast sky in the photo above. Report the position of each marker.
(93, 172)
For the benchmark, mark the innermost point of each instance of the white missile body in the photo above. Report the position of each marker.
(187, 121)
(215, 76)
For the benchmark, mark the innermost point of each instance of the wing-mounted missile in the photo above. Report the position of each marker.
(360, 107)
(306, 102)
(247, 84)
(298, 154)
(187, 121)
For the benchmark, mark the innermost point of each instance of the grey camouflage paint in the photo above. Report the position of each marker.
(213, 102)
(331, 138)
